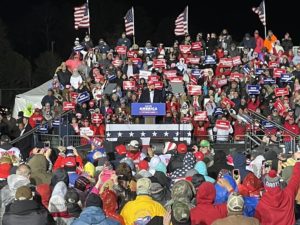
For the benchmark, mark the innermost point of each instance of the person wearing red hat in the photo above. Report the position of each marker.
(291, 126)
(143, 165)
(276, 205)
(36, 118)
(176, 160)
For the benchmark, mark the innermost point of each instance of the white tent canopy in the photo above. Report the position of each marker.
(33, 97)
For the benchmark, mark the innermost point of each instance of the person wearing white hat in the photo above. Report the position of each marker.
(134, 152)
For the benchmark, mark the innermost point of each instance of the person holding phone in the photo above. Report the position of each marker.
(277, 205)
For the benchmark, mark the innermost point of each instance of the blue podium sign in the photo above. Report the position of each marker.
(148, 109)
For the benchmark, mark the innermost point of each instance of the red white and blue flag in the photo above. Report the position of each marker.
(181, 23)
(261, 12)
(129, 22)
(81, 17)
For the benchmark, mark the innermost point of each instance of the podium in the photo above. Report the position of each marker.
(148, 110)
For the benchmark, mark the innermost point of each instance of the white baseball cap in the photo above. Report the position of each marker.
(134, 143)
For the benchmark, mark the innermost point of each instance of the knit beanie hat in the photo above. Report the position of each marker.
(72, 196)
(23, 193)
(93, 200)
(143, 186)
(271, 180)
(82, 183)
(90, 169)
(235, 203)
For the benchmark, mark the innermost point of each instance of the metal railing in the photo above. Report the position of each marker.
(35, 129)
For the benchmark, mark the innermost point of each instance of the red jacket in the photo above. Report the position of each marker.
(34, 119)
(201, 132)
(253, 105)
(205, 213)
(239, 131)
(291, 127)
(276, 207)
(259, 44)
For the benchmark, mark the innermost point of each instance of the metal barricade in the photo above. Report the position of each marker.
(54, 140)
(77, 140)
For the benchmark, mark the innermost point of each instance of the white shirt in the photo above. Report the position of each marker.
(129, 71)
(151, 96)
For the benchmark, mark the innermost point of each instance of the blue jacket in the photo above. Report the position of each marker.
(93, 216)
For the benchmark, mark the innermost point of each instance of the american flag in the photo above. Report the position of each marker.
(181, 23)
(129, 22)
(82, 17)
(260, 11)
(147, 131)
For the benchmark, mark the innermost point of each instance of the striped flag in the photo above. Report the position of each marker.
(129, 22)
(181, 23)
(82, 17)
(261, 12)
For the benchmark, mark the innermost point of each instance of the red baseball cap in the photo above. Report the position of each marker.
(182, 148)
(199, 156)
(143, 165)
(121, 149)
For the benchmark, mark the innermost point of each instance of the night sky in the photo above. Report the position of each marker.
(27, 31)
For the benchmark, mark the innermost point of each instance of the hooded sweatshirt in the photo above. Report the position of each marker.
(39, 174)
(276, 205)
(205, 213)
(201, 168)
(239, 161)
(93, 216)
(188, 164)
(220, 162)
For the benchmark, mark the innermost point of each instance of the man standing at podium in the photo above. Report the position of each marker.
(151, 95)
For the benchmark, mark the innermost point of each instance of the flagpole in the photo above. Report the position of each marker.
(187, 18)
(265, 25)
(89, 29)
(133, 25)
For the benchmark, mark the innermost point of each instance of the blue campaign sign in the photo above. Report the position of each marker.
(267, 124)
(259, 71)
(56, 123)
(83, 97)
(269, 80)
(286, 78)
(253, 89)
(42, 128)
(148, 109)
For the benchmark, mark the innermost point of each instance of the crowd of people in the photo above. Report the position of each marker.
(208, 82)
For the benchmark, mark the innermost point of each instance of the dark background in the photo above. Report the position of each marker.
(31, 28)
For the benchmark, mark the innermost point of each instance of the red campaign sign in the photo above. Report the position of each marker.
(97, 118)
(186, 49)
(117, 63)
(159, 63)
(194, 90)
(222, 82)
(197, 46)
(121, 50)
(186, 119)
(277, 72)
(130, 53)
(74, 95)
(193, 60)
(236, 75)
(225, 62)
(153, 78)
(176, 80)
(227, 101)
(136, 60)
(68, 106)
(236, 61)
(170, 73)
(159, 85)
(279, 106)
(129, 85)
(193, 80)
(223, 124)
(273, 64)
(200, 116)
(281, 92)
